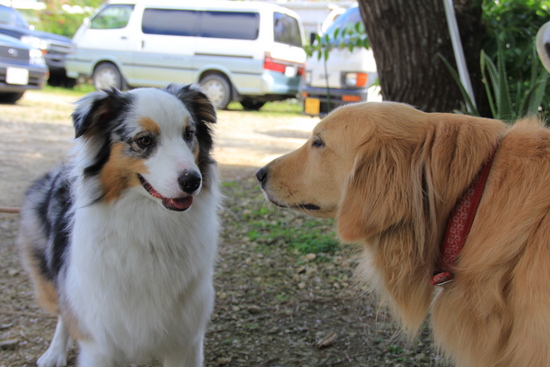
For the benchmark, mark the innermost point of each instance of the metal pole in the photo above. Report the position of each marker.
(458, 51)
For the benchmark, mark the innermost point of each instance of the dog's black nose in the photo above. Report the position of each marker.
(261, 174)
(189, 181)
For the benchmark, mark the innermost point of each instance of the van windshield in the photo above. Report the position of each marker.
(286, 30)
(346, 21)
(112, 17)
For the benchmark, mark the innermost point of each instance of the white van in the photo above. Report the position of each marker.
(237, 50)
(349, 73)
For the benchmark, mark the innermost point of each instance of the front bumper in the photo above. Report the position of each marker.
(315, 100)
(37, 79)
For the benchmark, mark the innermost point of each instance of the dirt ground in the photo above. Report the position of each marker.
(275, 306)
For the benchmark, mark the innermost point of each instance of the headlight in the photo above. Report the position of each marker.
(36, 57)
(36, 42)
(355, 79)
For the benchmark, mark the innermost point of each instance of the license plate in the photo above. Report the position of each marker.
(291, 71)
(312, 106)
(17, 76)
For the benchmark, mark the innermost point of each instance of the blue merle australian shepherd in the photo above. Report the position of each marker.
(120, 242)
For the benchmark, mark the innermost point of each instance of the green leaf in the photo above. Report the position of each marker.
(336, 33)
(505, 101)
(534, 97)
(366, 43)
(487, 64)
(471, 107)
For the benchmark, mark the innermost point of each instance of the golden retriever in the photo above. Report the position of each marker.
(391, 175)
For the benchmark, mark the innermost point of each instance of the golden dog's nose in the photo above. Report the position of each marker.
(261, 175)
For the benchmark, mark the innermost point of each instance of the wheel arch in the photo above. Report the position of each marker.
(225, 73)
(108, 60)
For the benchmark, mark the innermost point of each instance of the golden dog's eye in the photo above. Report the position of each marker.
(188, 134)
(318, 143)
(144, 141)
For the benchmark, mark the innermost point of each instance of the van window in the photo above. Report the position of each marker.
(234, 25)
(170, 22)
(112, 17)
(286, 29)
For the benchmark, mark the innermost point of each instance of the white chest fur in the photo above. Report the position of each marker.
(140, 276)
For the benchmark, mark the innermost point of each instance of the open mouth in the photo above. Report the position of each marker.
(176, 204)
(297, 206)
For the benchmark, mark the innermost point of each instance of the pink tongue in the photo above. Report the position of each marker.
(179, 204)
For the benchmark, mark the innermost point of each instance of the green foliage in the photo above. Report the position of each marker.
(269, 226)
(54, 19)
(470, 106)
(507, 104)
(516, 83)
(306, 238)
(78, 91)
(349, 37)
(284, 108)
(514, 23)
(528, 96)
(512, 26)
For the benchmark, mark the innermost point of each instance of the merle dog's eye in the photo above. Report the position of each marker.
(318, 143)
(144, 141)
(188, 134)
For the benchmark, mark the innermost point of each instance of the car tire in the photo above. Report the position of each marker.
(252, 104)
(218, 90)
(69, 83)
(11, 97)
(107, 76)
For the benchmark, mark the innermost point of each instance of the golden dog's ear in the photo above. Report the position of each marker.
(376, 195)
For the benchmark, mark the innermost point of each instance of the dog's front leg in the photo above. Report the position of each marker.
(92, 356)
(188, 356)
(56, 355)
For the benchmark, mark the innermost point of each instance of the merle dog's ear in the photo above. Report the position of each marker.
(202, 111)
(94, 111)
(195, 100)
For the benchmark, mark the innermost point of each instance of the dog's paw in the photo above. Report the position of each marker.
(52, 358)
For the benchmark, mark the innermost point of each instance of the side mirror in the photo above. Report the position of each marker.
(312, 37)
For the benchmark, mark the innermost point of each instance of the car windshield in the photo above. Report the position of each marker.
(286, 30)
(346, 21)
(12, 17)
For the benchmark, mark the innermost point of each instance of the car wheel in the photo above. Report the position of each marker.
(217, 89)
(69, 83)
(106, 76)
(252, 104)
(11, 97)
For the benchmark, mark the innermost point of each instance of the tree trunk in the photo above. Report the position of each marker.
(406, 37)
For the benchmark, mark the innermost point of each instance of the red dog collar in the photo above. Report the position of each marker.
(459, 225)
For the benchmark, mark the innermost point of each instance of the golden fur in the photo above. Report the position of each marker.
(391, 175)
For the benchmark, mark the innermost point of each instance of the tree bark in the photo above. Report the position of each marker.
(406, 37)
